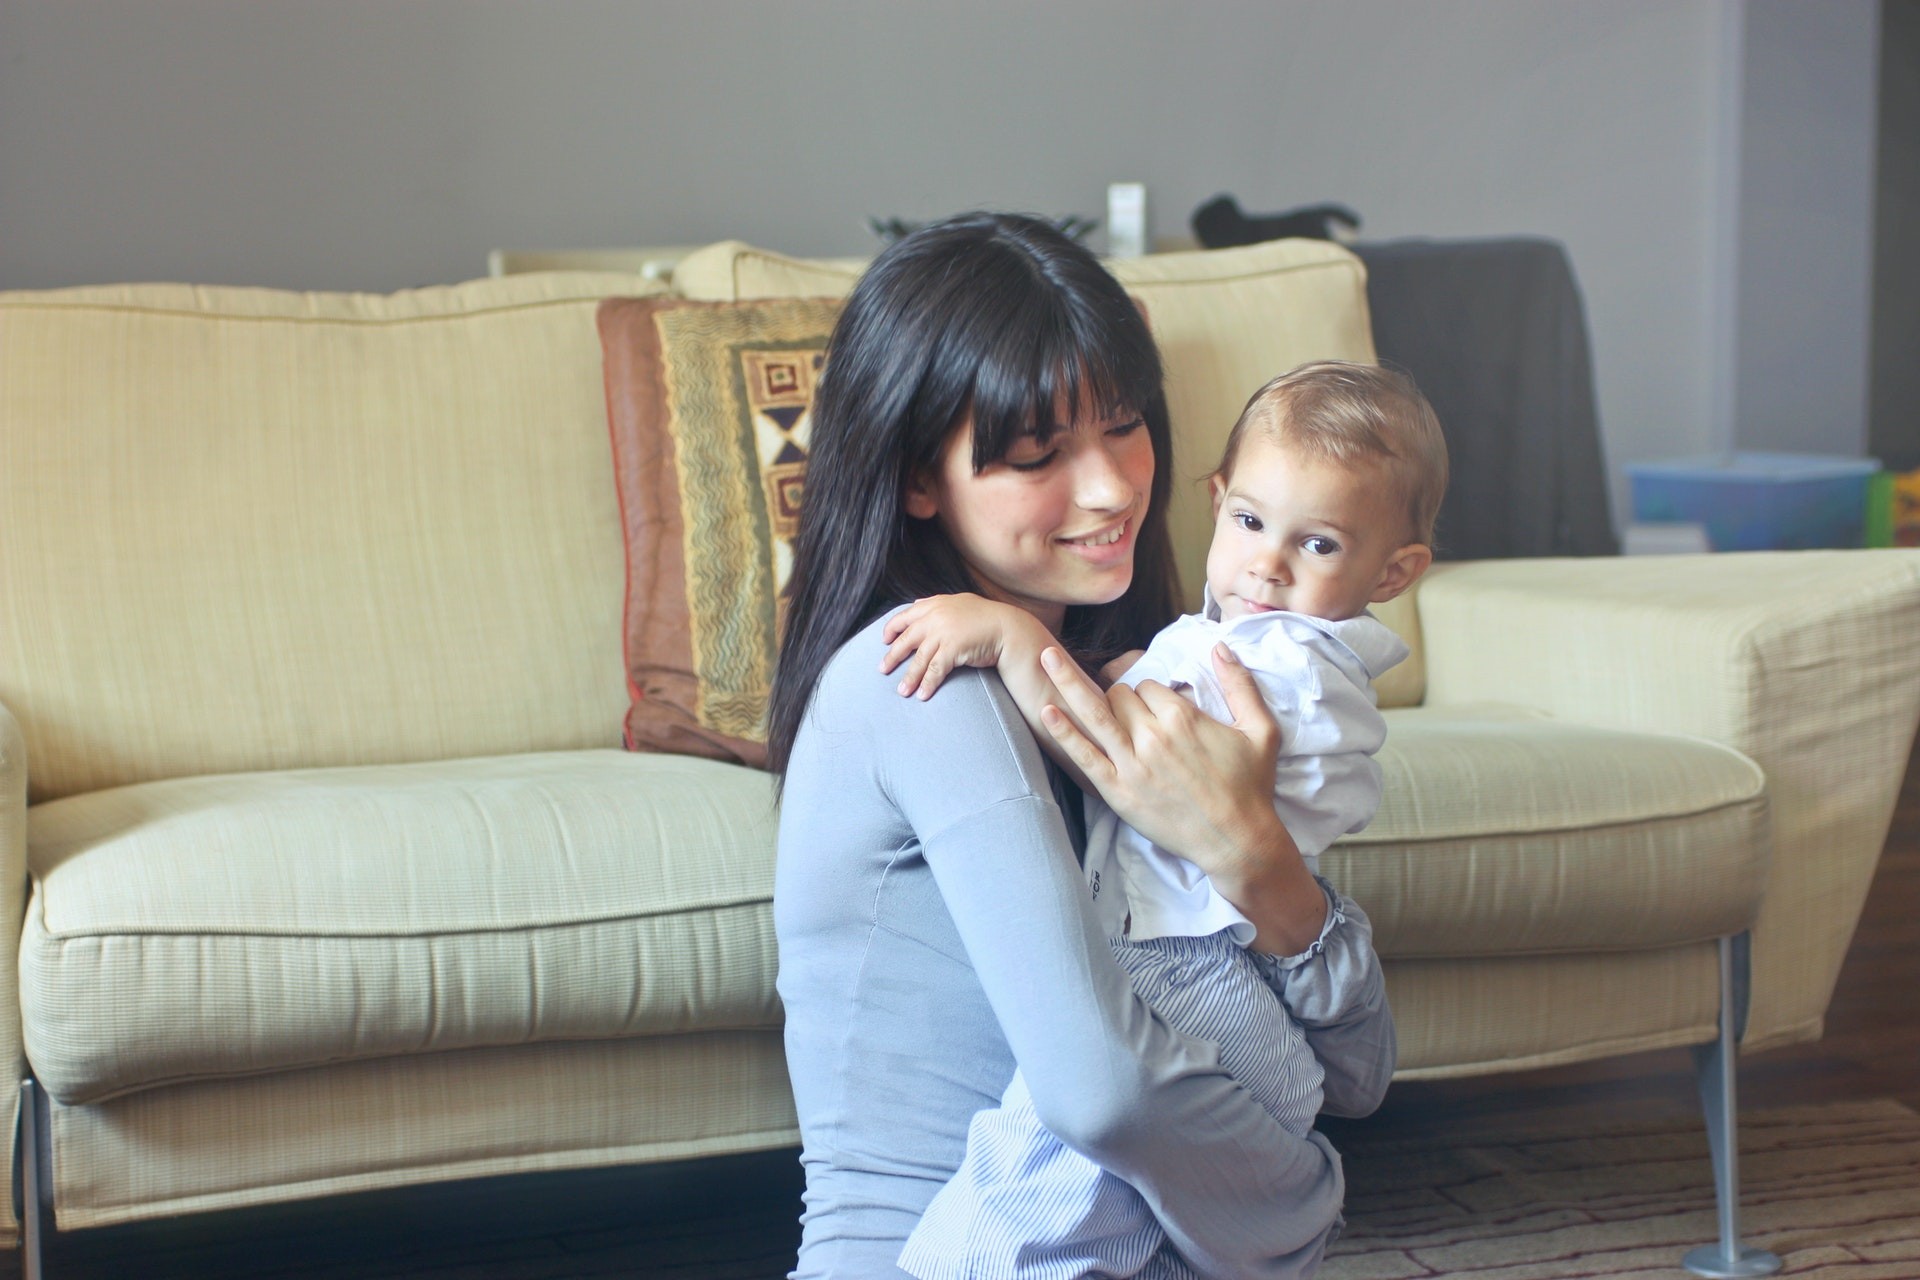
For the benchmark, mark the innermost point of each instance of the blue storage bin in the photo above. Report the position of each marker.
(1758, 501)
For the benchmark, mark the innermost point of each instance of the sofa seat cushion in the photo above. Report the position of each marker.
(1503, 832)
(219, 926)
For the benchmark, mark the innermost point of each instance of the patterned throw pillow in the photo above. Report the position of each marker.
(709, 405)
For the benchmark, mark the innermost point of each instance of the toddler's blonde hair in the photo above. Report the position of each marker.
(1355, 415)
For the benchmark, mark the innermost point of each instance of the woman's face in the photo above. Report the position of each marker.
(1050, 524)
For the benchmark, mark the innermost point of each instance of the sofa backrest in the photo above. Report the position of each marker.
(1225, 320)
(245, 529)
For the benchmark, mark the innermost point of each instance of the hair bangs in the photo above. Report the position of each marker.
(1054, 365)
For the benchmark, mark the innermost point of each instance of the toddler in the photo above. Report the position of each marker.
(1324, 503)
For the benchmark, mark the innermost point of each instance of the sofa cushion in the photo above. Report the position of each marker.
(731, 270)
(1226, 320)
(709, 405)
(1502, 832)
(230, 925)
(249, 529)
(251, 922)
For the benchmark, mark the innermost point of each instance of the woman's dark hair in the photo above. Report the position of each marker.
(995, 315)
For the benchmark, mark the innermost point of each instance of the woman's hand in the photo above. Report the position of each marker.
(1198, 787)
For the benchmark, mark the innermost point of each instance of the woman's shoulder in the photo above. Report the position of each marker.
(853, 672)
(962, 750)
(852, 677)
(852, 688)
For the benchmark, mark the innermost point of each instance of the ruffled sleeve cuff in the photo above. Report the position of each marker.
(1336, 919)
(1337, 977)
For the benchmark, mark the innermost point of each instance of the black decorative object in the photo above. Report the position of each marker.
(1220, 223)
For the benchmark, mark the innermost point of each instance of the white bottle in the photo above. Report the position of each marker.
(1127, 219)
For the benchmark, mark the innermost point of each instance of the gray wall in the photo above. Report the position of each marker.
(1808, 129)
(1894, 426)
(365, 144)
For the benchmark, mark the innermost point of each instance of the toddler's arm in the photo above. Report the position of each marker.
(1111, 673)
(935, 635)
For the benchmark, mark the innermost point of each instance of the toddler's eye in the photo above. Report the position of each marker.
(1320, 546)
(1248, 521)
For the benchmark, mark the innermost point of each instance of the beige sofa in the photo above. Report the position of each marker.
(324, 872)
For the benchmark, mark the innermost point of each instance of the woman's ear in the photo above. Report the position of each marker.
(922, 503)
(1403, 569)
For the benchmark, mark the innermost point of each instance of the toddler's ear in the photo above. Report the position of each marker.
(1403, 569)
(1216, 489)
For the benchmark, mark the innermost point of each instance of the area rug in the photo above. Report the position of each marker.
(1834, 1189)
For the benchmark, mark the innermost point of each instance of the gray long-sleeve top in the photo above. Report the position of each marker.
(934, 932)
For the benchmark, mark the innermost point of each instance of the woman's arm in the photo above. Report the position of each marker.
(1237, 1194)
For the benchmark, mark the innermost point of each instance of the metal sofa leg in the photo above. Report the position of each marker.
(1714, 1065)
(33, 1179)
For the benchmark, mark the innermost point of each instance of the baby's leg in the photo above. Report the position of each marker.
(1025, 1205)
(1209, 988)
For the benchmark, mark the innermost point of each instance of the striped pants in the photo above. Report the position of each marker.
(1024, 1206)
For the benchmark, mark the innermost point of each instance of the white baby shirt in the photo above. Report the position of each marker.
(1317, 678)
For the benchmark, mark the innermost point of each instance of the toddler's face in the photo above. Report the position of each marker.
(1300, 533)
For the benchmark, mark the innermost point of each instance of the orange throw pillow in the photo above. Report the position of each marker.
(709, 405)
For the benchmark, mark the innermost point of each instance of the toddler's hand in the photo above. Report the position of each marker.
(936, 634)
(1120, 666)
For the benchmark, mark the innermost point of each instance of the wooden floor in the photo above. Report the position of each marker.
(734, 1219)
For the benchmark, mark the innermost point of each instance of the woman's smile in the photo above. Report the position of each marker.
(1104, 541)
(1053, 525)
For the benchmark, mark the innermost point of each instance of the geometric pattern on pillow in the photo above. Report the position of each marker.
(709, 406)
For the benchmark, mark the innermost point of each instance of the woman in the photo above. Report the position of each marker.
(991, 419)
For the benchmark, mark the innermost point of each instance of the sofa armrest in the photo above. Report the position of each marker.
(1807, 662)
(13, 893)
